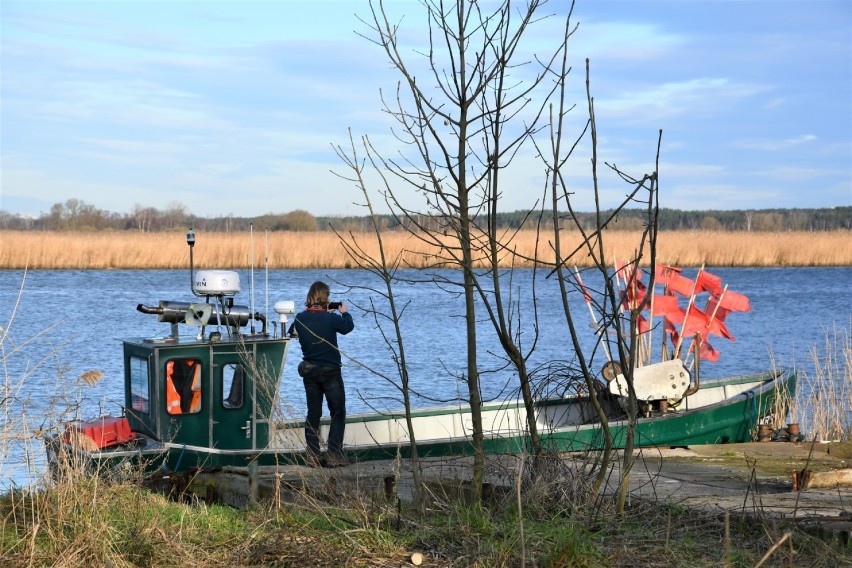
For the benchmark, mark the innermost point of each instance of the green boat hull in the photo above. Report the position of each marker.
(732, 420)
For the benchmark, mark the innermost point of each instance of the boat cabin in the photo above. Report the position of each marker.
(202, 393)
(214, 389)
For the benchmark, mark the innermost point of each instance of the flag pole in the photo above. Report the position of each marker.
(663, 353)
(645, 340)
(688, 309)
(642, 349)
(588, 299)
(710, 320)
(652, 277)
(621, 293)
(718, 303)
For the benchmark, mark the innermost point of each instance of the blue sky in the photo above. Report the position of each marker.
(230, 107)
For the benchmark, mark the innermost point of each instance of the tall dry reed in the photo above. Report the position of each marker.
(823, 405)
(105, 250)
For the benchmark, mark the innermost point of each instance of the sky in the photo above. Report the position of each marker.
(235, 107)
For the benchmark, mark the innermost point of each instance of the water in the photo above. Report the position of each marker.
(77, 320)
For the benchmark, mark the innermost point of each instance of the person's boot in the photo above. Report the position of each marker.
(336, 460)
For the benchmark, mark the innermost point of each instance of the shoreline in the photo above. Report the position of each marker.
(711, 478)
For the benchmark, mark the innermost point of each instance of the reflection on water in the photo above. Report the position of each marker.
(77, 319)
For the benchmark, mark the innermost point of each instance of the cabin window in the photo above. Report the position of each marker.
(183, 386)
(139, 387)
(233, 383)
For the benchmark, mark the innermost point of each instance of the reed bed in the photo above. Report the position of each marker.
(322, 249)
(823, 405)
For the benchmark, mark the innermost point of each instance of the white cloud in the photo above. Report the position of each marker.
(700, 96)
(796, 174)
(622, 41)
(683, 169)
(697, 196)
(775, 145)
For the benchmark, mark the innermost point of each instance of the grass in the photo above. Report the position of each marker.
(131, 250)
(79, 519)
(85, 521)
(825, 412)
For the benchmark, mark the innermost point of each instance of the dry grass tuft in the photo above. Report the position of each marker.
(106, 250)
(823, 405)
(92, 377)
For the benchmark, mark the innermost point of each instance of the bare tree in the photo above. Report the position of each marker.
(384, 268)
(619, 348)
(459, 130)
(462, 124)
(144, 217)
(175, 215)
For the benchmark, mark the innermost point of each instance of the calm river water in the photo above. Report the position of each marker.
(59, 324)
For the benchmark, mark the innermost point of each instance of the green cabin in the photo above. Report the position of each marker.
(210, 396)
(236, 392)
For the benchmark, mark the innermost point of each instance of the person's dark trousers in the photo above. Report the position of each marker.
(327, 382)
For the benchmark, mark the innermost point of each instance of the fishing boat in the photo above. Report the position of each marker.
(203, 397)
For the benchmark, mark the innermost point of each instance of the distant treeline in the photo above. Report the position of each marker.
(76, 215)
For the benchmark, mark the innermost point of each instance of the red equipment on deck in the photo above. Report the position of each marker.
(104, 432)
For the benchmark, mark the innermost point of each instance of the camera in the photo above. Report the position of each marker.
(334, 305)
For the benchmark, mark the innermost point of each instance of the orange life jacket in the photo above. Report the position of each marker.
(173, 397)
(195, 404)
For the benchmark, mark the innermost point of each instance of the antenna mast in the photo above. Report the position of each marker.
(251, 238)
(190, 240)
(266, 268)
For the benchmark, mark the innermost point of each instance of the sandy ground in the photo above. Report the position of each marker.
(756, 478)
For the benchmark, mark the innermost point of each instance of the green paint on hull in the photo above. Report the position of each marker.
(731, 421)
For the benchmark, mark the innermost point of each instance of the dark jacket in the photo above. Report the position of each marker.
(317, 330)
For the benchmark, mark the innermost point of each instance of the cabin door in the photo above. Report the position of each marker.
(183, 390)
(233, 404)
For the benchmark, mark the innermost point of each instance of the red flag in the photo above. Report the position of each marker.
(627, 271)
(642, 324)
(680, 284)
(676, 317)
(734, 301)
(662, 273)
(671, 330)
(633, 295)
(700, 322)
(706, 282)
(694, 322)
(585, 292)
(715, 310)
(665, 304)
(630, 273)
(665, 270)
(716, 327)
(706, 351)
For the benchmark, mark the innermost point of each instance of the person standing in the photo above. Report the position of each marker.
(317, 328)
